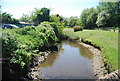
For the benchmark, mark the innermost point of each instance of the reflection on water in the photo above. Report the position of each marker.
(82, 50)
(51, 59)
(72, 61)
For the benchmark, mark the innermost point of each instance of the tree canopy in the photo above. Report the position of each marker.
(37, 16)
(7, 18)
(108, 14)
(89, 17)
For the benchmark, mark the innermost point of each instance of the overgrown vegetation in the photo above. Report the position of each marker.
(20, 44)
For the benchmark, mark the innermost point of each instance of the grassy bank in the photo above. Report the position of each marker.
(108, 41)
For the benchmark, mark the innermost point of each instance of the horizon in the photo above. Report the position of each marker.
(65, 8)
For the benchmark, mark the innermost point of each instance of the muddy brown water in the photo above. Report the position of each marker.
(72, 61)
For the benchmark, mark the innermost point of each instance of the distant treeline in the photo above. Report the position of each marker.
(106, 14)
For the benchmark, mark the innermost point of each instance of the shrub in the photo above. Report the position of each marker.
(77, 28)
(53, 26)
(21, 57)
(9, 44)
(25, 30)
(58, 29)
(11, 48)
(20, 43)
(46, 25)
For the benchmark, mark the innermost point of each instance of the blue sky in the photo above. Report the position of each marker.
(65, 8)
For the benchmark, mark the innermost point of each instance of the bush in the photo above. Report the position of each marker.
(77, 28)
(25, 30)
(9, 44)
(17, 53)
(53, 26)
(58, 29)
(19, 44)
(21, 57)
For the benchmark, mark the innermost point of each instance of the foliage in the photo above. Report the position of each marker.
(11, 49)
(19, 44)
(102, 19)
(37, 16)
(105, 15)
(25, 18)
(89, 17)
(56, 27)
(57, 22)
(26, 30)
(7, 18)
(77, 28)
(41, 15)
(65, 21)
(36, 37)
(21, 57)
(56, 18)
(9, 44)
(108, 14)
(72, 21)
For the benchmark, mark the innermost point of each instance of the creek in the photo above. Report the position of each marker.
(72, 61)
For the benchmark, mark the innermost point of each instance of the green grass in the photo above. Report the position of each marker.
(108, 41)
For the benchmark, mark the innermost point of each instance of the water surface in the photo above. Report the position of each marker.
(72, 61)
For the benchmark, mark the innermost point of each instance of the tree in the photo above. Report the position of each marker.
(89, 17)
(41, 15)
(72, 21)
(108, 12)
(103, 18)
(37, 16)
(55, 18)
(25, 18)
(7, 18)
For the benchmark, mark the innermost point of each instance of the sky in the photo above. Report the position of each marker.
(64, 8)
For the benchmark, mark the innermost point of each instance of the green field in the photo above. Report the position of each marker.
(108, 41)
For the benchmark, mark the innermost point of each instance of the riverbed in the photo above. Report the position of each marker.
(72, 61)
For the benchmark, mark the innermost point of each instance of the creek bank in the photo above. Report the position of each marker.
(115, 76)
(97, 62)
(38, 59)
(100, 67)
(29, 72)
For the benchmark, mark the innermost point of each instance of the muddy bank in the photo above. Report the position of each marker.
(101, 67)
(38, 59)
(29, 72)
(97, 62)
(114, 76)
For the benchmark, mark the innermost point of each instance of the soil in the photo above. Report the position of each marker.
(97, 62)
